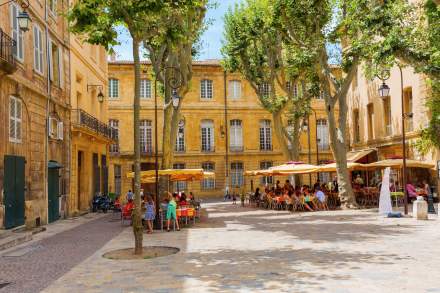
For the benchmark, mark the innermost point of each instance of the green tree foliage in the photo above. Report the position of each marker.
(97, 22)
(280, 74)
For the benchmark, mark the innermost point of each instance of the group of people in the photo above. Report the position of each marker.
(312, 199)
(169, 205)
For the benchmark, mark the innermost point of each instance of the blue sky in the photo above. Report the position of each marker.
(211, 39)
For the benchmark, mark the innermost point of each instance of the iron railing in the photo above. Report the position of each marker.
(84, 119)
(7, 45)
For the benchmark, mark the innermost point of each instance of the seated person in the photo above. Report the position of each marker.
(182, 200)
(320, 196)
(308, 200)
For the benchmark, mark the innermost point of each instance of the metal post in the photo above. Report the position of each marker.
(226, 133)
(156, 159)
(405, 197)
(310, 150)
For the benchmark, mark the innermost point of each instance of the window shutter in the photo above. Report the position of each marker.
(60, 67)
(50, 60)
(13, 14)
(11, 118)
(60, 129)
(17, 119)
(50, 127)
(36, 51)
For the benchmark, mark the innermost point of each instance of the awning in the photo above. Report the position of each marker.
(350, 166)
(174, 175)
(355, 156)
(398, 163)
(288, 169)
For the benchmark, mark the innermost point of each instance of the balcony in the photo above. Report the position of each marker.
(7, 60)
(81, 118)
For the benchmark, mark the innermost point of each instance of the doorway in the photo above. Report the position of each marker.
(14, 186)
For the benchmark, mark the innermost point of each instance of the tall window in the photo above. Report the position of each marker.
(387, 116)
(208, 183)
(179, 185)
(324, 177)
(14, 119)
(321, 95)
(370, 109)
(118, 177)
(292, 89)
(113, 88)
(409, 109)
(38, 49)
(114, 148)
(265, 135)
(237, 178)
(207, 136)
(235, 89)
(290, 128)
(206, 89)
(53, 6)
(235, 136)
(322, 133)
(266, 179)
(180, 138)
(146, 136)
(356, 126)
(17, 33)
(56, 64)
(264, 89)
(145, 88)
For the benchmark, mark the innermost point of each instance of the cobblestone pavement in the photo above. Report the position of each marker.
(33, 266)
(248, 250)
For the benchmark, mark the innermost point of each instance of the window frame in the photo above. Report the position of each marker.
(205, 86)
(208, 183)
(38, 49)
(264, 165)
(145, 89)
(146, 131)
(235, 89)
(179, 146)
(114, 123)
(205, 140)
(237, 177)
(15, 120)
(112, 82)
(236, 135)
(265, 135)
(17, 33)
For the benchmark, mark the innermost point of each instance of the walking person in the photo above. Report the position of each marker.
(171, 212)
(150, 213)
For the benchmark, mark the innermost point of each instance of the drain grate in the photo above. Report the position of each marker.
(3, 285)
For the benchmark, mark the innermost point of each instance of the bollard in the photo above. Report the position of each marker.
(420, 209)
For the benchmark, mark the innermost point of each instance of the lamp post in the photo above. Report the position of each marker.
(172, 80)
(384, 92)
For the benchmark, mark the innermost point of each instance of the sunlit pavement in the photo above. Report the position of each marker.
(249, 250)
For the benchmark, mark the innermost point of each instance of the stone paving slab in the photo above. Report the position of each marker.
(32, 267)
(249, 250)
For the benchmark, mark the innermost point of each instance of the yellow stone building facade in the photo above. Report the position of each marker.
(376, 122)
(34, 114)
(91, 134)
(223, 129)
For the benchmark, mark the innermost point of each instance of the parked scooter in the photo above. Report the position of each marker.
(101, 203)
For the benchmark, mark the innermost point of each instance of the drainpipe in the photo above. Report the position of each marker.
(46, 147)
(226, 132)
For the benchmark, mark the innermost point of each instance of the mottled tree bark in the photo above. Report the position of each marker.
(136, 215)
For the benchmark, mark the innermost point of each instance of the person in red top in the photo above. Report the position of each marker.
(182, 201)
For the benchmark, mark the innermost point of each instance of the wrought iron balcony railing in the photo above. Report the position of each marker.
(84, 119)
(7, 60)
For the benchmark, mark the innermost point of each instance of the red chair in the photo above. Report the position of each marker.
(126, 212)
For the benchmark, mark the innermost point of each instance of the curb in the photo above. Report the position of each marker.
(15, 240)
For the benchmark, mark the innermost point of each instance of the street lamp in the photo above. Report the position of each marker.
(100, 95)
(384, 92)
(22, 17)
